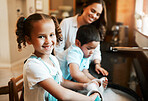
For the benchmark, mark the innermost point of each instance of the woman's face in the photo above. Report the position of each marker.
(92, 12)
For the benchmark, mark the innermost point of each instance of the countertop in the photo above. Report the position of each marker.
(125, 69)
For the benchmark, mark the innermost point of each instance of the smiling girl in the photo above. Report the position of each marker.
(41, 73)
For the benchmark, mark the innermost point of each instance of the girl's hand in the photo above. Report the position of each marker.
(91, 85)
(99, 69)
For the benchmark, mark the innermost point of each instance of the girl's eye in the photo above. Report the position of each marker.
(41, 37)
(52, 34)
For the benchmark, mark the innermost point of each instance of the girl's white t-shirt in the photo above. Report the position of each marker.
(35, 71)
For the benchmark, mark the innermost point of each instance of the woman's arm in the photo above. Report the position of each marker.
(77, 74)
(99, 69)
(62, 93)
(97, 54)
(97, 59)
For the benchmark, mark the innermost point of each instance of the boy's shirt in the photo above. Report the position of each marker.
(72, 55)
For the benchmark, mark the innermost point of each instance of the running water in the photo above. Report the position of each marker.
(116, 95)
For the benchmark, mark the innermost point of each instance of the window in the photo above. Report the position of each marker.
(141, 16)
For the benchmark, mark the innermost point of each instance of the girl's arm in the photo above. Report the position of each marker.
(73, 85)
(86, 72)
(77, 74)
(62, 93)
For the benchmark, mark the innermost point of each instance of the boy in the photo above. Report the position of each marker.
(74, 61)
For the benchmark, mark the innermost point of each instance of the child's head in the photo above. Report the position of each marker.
(27, 26)
(40, 30)
(87, 39)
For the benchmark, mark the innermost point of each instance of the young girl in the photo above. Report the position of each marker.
(42, 74)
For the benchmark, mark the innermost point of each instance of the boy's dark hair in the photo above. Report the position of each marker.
(87, 33)
(25, 25)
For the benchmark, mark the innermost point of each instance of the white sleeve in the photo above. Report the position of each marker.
(35, 73)
(60, 47)
(97, 53)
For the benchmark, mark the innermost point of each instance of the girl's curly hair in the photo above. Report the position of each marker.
(24, 27)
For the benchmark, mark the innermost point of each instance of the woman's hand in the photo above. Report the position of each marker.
(99, 69)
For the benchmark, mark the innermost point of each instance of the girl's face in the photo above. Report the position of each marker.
(43, 37)
(88, 49)
(92, 12)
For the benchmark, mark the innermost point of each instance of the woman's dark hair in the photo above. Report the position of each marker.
(24, 27)
(87, 33)
(101, 22)
(90, 2)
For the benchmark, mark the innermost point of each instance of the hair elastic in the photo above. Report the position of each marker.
(24, 19)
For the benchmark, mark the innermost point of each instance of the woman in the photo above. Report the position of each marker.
(92, 13)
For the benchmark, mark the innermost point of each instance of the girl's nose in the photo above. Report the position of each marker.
(48, 40)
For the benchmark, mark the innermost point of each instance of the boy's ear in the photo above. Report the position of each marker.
(77, 43)
(28, 40)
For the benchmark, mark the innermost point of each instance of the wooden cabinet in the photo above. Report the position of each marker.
(125, 10)
(54, 6)
(121, 11)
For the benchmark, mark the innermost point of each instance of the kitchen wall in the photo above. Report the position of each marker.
(4, 33)
(9, 54)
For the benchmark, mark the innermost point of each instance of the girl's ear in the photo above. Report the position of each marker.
(77, 43)
(28, 40)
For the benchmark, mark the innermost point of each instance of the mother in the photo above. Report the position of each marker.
(92, 13)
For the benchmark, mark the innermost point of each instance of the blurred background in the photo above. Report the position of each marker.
(127, 26)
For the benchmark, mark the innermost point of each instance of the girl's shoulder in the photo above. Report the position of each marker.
(53, 58)
(32, 59)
